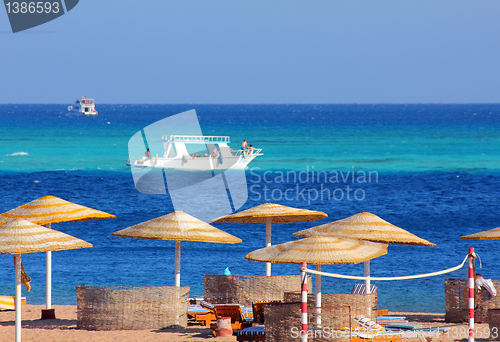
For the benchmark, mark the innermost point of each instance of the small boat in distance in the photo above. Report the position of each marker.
(84, 106)
(204, 153)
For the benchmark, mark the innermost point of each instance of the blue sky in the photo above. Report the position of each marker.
(185, 51)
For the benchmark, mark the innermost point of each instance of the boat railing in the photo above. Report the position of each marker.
(198, 139)
(246, 152)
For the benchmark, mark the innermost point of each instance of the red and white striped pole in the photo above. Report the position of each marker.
(471, 294)
(303, 273)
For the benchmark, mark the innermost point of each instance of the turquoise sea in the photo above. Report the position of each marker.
(435, 172)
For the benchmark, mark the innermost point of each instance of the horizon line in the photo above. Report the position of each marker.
(275, 104)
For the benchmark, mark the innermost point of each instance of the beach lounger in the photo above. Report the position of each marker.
(206, 317)
(255, 333)
(386, 320)
(361, 289)
(195, 299)
(392, 318)
(367, 324)
(238, 320)
(363, 337)
(371, 331)
(403, 326)
(197, 314)
(206, 305)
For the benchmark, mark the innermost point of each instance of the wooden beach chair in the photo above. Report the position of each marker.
(206, 317)
(233, 311)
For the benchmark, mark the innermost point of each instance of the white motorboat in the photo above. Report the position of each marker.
(83, 106)
(197, 152)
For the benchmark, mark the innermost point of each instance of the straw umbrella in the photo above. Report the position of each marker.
(45, 211)
(20, 236)
(272, 213)
(320, 250)
(366, 226)
(492, 234)
(325, 250)
(177, 226)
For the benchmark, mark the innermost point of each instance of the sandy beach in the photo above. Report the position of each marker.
(63, 328)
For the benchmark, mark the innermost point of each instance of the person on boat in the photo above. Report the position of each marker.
(250, 149)
(148, 155)
(244, 145)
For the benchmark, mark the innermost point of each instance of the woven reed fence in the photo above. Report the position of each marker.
(283, 322)
(359, 303)
(457, 297)
(241, 289)
(131, 308)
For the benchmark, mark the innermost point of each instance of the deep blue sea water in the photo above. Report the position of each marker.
(435, 171)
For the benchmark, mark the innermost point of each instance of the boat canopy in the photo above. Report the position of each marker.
(198, 139)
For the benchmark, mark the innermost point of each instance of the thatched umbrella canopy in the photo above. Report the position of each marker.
(47, 210)
(20, 236)
(177, 226)
(492, 234)
(278, 213)
(365, 226)
(272, 213)
(320, 250)
(50, 209)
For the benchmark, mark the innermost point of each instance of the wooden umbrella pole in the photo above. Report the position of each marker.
(177, 263)
(17, 258)
(367, 285)
(367, 275)
(48, 312)
(48, 278)
(317, 289)
(48, 282)
(268, 243)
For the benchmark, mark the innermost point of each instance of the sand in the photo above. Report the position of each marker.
(63, 328)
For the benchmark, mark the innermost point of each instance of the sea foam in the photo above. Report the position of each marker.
(17, 154)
